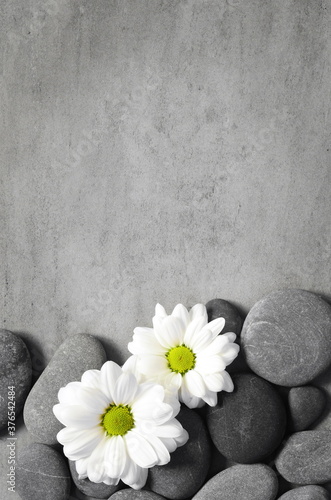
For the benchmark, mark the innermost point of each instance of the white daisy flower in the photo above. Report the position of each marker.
(115, 427)
(185, 352)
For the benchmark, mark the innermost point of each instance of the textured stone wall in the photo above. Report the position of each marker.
(170, 151)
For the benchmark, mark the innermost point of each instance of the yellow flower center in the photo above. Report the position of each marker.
(117, 420)
(181, 359)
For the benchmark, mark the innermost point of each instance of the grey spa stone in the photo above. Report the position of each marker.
(249, 482)
(15, 375)
(220, 308)
(248, 424)
(95, 490)
(305, 405)
(310, 492)
(286, 337)
(130, 494)
(42, 472)
(305, 458)
(187, 470)
(77, 354)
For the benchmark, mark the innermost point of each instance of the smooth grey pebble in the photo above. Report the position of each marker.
(77, 354)
(95, 490)
(241, 482)
(310, 492)
(187, 470)
(305, 458)
(42, 472)
(305, 405)
(130, 494)
(15, 370)
(286, 337)
(220, 308)
(249, 423)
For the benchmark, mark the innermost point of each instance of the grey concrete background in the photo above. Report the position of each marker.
(170, 151)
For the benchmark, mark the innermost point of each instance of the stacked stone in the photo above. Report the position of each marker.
(268, 439)
(286, 343)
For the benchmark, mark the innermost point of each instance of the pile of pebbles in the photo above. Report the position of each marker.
(269, 439)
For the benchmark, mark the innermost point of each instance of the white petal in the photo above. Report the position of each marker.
(67, 434)
(153, 365)
(110, 372)
(186, 397)
(125, 389)
(76, 416)
(148, 391)
(142, 479)
(173, 331)
(143, 330)
(160, 311)
(160, 449)
(81, 467)
(145, 342)
(171, 398)
(91, 378)
(132, 365)
(70, 393)
(231, 336)
(230, 352)
(216, 346)
(172, 429)
(228, 384)
(170, 443)
(183, 438)
(173, 381)
(96, 464)
(181, 312)
(210, 398)
(115, 456)
(209, 364)
(199, 310)
(151, 409)
(159, 333)
(214, 382)
(193, 329)
(133, 475)
(84, 444)
(195, 383)
(113, 481)
(215, 326)
(139, 449)
(94, 399)
(201, 340)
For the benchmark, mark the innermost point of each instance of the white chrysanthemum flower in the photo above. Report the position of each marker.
(185, 352)
(117, 428)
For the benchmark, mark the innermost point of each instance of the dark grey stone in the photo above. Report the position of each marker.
(327, 486)
(249, 482)
(306, 458)
(286, 337)
(310, 492)
(305, 405)
(217, 462)
(42, 472)
(95, 490)
(248, 424)
(77, 354)
(323, 382)
(130, 494)
(15, 370)
(219, 308)
(187, 470)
